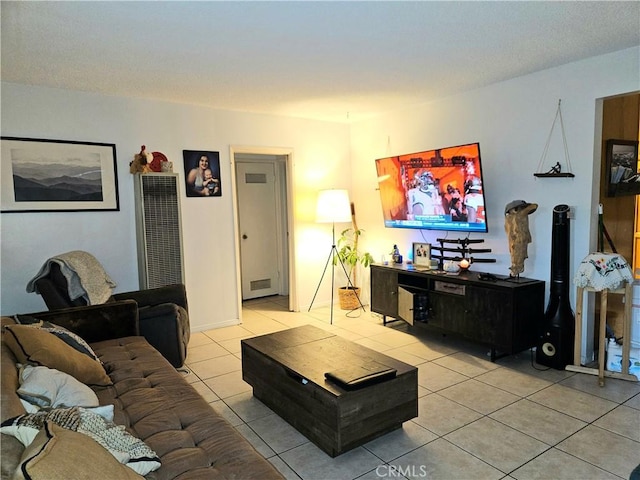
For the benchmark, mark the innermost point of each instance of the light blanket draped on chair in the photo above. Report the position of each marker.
(85, 276)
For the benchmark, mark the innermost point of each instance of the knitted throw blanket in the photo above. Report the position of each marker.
(603, 271)
(85, 276)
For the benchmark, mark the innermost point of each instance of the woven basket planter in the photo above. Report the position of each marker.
(349, 298)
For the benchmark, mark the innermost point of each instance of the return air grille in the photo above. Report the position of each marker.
(159, 230)
(255, 178)
(260, 284)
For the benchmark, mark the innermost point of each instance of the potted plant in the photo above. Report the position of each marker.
(350, 256)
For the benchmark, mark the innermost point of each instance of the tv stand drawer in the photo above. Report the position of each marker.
(446, 287)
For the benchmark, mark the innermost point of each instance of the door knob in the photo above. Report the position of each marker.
(244, 236)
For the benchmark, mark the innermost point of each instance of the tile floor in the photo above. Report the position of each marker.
(512, 419)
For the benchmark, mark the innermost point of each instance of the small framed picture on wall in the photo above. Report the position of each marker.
(202, 173)
(622, 168)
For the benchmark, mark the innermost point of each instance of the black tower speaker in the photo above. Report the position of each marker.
(555, 345)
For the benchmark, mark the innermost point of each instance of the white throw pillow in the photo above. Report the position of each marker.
(50, 388)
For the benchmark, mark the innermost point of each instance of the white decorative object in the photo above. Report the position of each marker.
(451, 267)
(603, 271)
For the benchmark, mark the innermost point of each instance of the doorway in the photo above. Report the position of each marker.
(620, 120)
(620, 117)
(262, 214)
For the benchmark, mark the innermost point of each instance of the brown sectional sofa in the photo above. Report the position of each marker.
(151, 399)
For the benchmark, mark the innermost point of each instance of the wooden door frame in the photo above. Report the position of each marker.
(288, 153)
(597, 194)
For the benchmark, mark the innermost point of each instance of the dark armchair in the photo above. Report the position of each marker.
(162, 312)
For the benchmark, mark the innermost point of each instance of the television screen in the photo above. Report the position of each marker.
(434, 190)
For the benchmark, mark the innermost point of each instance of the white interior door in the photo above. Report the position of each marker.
(258, 217)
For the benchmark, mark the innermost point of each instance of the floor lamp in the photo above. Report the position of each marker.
(333, 207)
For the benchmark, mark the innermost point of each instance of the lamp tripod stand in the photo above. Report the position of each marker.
(332, 252)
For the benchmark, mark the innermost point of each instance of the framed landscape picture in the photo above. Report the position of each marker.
(622, 168)
(40, 175)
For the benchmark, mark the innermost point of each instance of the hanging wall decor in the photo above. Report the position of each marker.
(622, 168)
(57, 176)
(202, 173)
(556, 169)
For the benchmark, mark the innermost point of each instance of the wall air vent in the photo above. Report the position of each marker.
(260, 284)
(159, 230)
(255, 178)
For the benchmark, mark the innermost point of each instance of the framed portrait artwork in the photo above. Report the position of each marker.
(422, 255)
(622, 168)
(57, 176)
(202, 173)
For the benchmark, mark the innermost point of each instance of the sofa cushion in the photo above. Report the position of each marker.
(56, 452)
(39, 347)
(10, 448)
(156, 403)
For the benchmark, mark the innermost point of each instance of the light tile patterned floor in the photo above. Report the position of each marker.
(512, 419)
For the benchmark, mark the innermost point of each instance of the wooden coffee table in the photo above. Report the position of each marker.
(287, 372)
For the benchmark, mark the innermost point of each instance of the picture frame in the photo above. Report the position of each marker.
(40, 175)
(623, 177)
(198, 183)
(422, 254)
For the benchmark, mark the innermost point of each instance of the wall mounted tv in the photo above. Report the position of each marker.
(434, 190)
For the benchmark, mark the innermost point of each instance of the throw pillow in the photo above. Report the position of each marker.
(39, 347)
(122, 445)
(114, 438)
(58, 453)
(25, 427)
(67, 336)
(50, 388)
(64, 417)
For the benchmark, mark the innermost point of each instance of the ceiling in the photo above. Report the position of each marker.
(337, 61)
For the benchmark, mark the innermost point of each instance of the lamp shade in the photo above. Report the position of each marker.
(333, 206)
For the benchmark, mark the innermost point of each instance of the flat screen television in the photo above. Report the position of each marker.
(439, 189)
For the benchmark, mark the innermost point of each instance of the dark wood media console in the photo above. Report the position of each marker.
(504, 314)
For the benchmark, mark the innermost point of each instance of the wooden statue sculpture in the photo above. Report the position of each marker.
(516, 224)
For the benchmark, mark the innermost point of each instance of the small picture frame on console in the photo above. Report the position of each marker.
(422, 254)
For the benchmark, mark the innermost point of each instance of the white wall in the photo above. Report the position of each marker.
(512, 121)
(28, 239)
